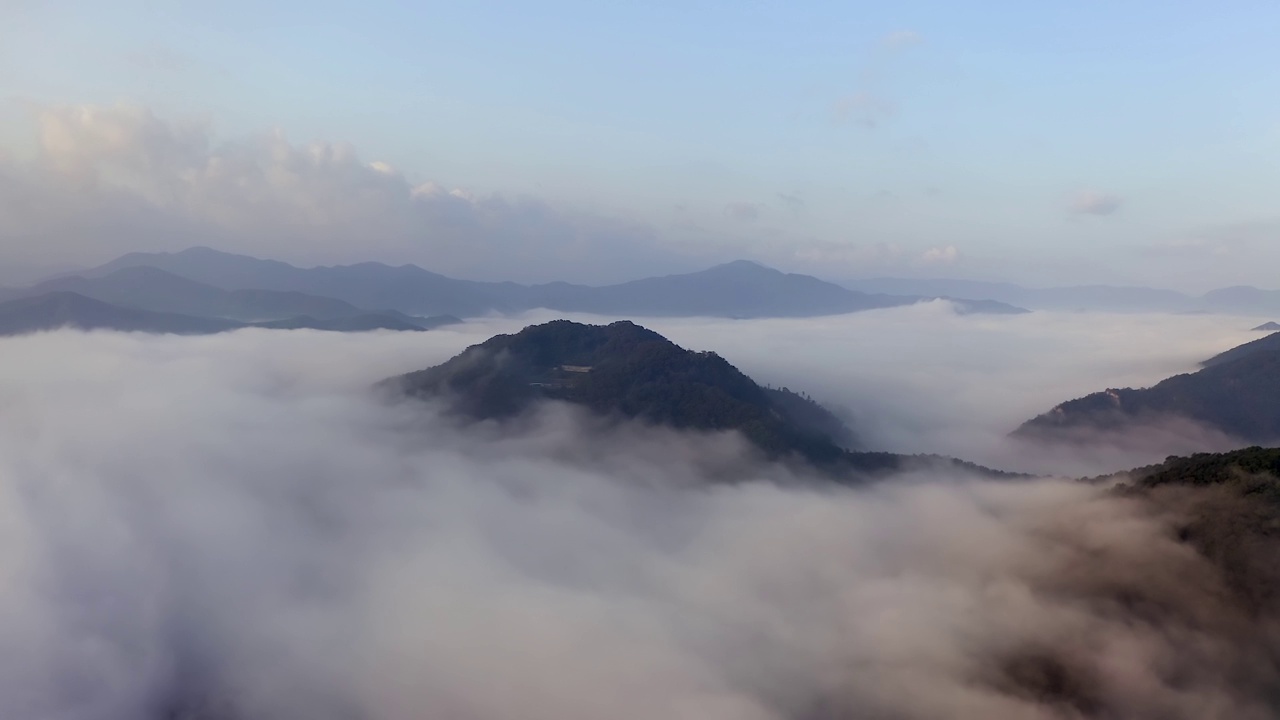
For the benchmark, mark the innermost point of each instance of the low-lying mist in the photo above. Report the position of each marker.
(922, 379)
(234, 527)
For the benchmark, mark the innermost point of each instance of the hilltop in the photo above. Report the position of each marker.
(628, 371)
(1236, 393)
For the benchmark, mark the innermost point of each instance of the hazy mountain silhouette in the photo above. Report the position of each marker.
(353, 323)
(627, 371)
(1107, 298)
(64, 309)
(738, 289)
(406, 288)
(1242, 300)
(67, 309)
(150, 288)
(1237, 393)
(1082, 297)
(1268, 327)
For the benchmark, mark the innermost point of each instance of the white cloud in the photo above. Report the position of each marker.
(1093, 202)
(948, 255)
(109, 180)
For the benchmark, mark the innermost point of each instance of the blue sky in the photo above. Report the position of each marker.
(1038, 142)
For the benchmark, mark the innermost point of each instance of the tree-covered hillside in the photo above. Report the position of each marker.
(1237, 393)
(627, 371)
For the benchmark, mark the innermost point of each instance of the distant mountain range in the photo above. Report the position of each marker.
(65, 309)
(1268, 327)
(627, 371)
(1233, 300)
(1236, 392)
(254, 289)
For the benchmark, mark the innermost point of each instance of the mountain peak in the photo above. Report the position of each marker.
(627, 370)
(743, 266)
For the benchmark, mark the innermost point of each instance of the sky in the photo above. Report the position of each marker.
(1042, 143)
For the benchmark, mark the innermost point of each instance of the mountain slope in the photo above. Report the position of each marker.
(738, 289)
(625, 370)
(150, 288)
(1242, 300)
(1227, 507)
(1269, 343)
(63, 309)
(1239, 396)
(406, 288)
(1268, 327)
(1072, 298)
(354, 323)
(67, 309)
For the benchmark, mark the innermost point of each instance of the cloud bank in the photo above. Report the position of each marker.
(108, 180)
(922, 379)
(234, 527)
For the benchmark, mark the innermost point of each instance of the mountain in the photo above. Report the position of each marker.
(1227, 508)
(1268, 327)
(1106, 298)
(741, 289)
(738, 289)
(628, 371)
(1074, 298)
(354, 323)
(1237, 393)
(1269, 343)
(1242, 300)
(67, 309)
(64, 309)
(150, 288)
(406, 288)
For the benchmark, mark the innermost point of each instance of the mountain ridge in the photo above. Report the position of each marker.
(65, 309)
(1236, 392)
(736, 289)
(1243, 300)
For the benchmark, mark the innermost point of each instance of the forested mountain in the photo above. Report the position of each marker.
(738, 289)
(628, 371)
(1227, 507)
(1270, 343)
(1237, 393)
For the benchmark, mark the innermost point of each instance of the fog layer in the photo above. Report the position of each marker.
(923, 379)
(235, 527)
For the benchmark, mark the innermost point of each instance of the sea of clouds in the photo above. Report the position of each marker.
(234, 527)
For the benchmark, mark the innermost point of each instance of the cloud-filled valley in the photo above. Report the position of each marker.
(236, 527)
